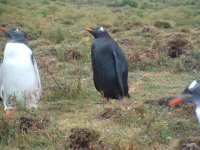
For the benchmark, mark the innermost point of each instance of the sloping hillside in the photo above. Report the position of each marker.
(161, 40)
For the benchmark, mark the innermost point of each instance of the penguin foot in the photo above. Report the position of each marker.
(129, 97)
(9, 111)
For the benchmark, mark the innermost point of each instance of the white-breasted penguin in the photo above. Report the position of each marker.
(190, 94)
(19, 75)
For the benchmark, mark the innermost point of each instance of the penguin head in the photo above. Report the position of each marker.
(97, 31)
(14, 35)
(190, 94)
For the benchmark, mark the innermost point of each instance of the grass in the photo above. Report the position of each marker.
(54, 29)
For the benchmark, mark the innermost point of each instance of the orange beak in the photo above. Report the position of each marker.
(177, 100)
(88, 29)
(2, 29)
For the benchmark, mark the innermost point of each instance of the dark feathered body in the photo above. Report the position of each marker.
(110, 69)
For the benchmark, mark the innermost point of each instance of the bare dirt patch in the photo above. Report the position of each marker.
(109, 113)
(186, 144)
(177, 44)
(161, 101)
(27, 124)
(83, 138)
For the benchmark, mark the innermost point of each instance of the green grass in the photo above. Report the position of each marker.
(54, 29)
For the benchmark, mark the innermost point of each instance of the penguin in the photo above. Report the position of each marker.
(1, 99)
(110, 68)
(190, 94)
(19, 75)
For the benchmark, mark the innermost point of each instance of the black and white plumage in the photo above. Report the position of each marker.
(190, 94)
(19, 75)
(110, 69)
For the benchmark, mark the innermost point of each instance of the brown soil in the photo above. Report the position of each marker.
(161, 101)
(83, 139)
(177, 44)
(109, 113)
(27, 124)
(186, 144)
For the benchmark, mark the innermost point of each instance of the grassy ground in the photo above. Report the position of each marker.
(147, 30)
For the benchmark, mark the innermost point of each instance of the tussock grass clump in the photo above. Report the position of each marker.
(191, 143)
(56, 35)
(83, 139)
(146, 59)
(65, 53)
(189, 62)
(177, 46)
(27, 124)
(162, 24)
(147, 5)
(4, 1)
(12, 129)
(110, 113)
(120, 3)
(146, 29)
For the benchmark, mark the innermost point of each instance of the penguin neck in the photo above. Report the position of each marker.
(16, 49)
(20, 40)
(16, 44)
(198, 113)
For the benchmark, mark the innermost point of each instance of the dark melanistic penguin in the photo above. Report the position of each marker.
(110, 69)
(190, 94)
(19, 76)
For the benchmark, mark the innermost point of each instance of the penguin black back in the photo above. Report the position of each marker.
(110, 69)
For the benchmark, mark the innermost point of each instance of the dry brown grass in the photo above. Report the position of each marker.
(62, 50)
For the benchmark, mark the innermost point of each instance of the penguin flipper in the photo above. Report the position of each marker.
(119, 67)
(1, 83)
(37, 74)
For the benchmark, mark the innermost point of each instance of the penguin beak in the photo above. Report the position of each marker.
(2, 29)
(88, 29)
(180, 99)
(6, 31)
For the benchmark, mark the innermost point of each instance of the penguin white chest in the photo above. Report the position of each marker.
(198, 113)
(18, 70)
